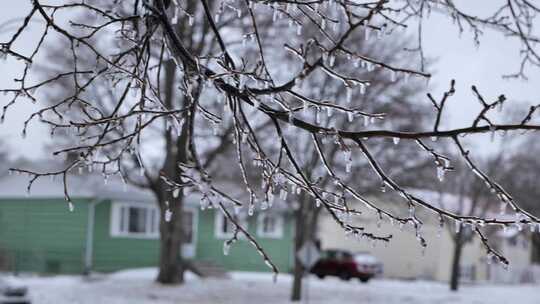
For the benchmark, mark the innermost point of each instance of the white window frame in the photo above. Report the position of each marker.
(218, 223)
(118, 208)
(278, 231)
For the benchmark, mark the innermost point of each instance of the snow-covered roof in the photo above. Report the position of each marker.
(85, 186)
(93, 186)
(507, 233)
(447, 201)
(79, 186)
(15, 185)
(462, 205)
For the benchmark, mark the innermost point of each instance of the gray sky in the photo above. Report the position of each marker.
(457, 57)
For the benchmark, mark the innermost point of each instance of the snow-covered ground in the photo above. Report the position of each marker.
(137, 286)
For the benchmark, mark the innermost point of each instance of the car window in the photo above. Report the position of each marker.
(363, 258)
(330, 254)
(342, 255)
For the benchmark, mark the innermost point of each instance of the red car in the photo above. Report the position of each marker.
(346, 265)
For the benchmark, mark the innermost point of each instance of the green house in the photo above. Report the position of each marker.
(115, 226)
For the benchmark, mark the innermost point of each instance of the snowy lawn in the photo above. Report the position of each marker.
(137, 286)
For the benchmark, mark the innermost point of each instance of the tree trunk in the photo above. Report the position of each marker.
(305, 224)
(458, 249)
(535, 248)
(171, 264)
(296, 294)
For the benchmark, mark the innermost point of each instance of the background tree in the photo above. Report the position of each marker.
(473, 199)
(166, 140)
(3, 158)
(306, 217)
(254, 92)
(521, 179)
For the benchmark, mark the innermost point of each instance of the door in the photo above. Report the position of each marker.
(190, 232)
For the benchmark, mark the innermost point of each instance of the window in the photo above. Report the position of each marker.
(343, 255)
(270, 226)
(135, 220)
(224, 228)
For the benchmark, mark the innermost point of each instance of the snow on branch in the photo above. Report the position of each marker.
(258, 65)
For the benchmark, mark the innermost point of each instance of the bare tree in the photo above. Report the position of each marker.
(521, 177)
(253, 90)
(306, 217)
(166, 138)
(473, 199)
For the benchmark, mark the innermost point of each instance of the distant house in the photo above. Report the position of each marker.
(404, 258)
(116, 226)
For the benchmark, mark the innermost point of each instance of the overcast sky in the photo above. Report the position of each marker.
(457, 58)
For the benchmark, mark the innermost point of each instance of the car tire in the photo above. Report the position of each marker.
(364, 280)
(320, 275)
(345, 276)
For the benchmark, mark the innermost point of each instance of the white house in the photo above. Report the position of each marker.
(404, 258)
